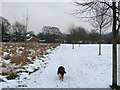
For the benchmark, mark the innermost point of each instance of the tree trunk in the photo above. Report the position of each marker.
(73, 46)
(2, 29)
(25, 45)
(115, 35)
(100, 49)
(114, 80)
(100, 42)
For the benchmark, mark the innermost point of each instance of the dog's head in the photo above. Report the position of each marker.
(61, 70)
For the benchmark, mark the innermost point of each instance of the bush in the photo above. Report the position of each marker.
(17, 59)
(7, 57)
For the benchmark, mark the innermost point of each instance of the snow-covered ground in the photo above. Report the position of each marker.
(84, 67)
(119, 64)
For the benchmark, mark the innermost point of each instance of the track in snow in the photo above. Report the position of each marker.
(85, 69)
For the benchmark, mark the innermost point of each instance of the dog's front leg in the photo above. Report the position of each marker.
(62, 78)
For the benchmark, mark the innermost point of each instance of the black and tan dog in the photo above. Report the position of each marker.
(61, 72)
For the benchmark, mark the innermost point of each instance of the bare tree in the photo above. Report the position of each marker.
(94, 36)
(71, 30)
(4, 29)
(78, 34)
(25, 22)
(51, 34)
(114, 8)
(101, 22)
(18, 31)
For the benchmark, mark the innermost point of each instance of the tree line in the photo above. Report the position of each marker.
(12, 32)
(16, 33)
(81, 35)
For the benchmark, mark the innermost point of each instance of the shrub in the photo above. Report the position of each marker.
(7, 57)
(3, 65)
(17, 59)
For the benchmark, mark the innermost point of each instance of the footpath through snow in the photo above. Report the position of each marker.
(85, 69)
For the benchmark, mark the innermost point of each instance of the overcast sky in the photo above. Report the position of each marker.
(43, 14)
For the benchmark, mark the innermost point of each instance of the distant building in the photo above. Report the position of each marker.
(33, 39)
(41, 41)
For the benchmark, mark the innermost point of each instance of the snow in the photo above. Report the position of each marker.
(84, 67)
(119, 64)
(5, 53)
(28, 35)
(29, 39)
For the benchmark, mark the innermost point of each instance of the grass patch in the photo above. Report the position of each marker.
(7, 57)
(12, 76)
(18, 59)
(22, 71)
(1, 80)
(3, 64)
(22, 85)
(21, 54)
(34, 70)
(43, 61)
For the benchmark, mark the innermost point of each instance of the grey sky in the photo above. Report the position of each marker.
(43, 14)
